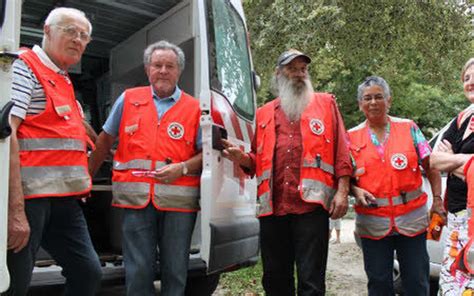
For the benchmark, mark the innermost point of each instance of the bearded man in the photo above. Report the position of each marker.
(301, 159)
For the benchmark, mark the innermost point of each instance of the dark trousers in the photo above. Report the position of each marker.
(290, 239)
(414, 264)
(58, 225)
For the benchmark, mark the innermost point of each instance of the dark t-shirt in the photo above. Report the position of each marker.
(456, 187)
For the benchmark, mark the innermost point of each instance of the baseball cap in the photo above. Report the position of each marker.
(287, 56)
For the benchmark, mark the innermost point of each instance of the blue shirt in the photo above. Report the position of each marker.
(162, 105)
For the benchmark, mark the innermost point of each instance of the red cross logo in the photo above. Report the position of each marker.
(316, 126)
(241, 175)
(175, 130)
(399, 161)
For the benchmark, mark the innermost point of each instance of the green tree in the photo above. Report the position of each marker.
(419, 47)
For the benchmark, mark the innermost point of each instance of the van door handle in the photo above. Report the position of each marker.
(6, 59)
(218, 133)
(5, 128)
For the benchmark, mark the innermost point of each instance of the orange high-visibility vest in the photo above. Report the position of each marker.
(146, 143)
(395, 180)
(465, 259)
(469, 173)
(53, 159)
(317, 181)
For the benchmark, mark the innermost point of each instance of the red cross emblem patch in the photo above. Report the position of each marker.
(316, 126)
(175, 130)
(399, 161)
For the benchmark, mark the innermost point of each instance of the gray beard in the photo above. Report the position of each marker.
(294, 96)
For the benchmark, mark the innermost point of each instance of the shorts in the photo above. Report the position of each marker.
(335, 224)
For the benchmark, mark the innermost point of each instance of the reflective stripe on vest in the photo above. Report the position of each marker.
(413, 222)
(131, 193)
(159, 164)
(375, 226)
(399, 199)
(265, 176)
(139, 164)
(51, 144)
(175, 196)
(263, 204)
(318, 163)
(41, 180)
(316, 191)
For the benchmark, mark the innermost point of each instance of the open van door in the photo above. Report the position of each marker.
(229, 227)
(10, 12)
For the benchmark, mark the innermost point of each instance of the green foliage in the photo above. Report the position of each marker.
(419, 47)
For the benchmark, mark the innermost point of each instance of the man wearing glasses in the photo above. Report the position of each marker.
(48, 160)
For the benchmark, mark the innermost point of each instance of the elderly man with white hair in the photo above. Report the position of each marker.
(156, 172)
(48, 160)
(301, 159)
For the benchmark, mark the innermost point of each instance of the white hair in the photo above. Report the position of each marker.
(294, 95)
(56, 16)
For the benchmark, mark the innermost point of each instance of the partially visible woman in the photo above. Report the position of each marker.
(391, 206)
(450, 155)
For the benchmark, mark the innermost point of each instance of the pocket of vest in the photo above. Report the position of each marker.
(131, 126)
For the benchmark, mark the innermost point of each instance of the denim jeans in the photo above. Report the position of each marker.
(143, 230)
(301, 239)
(58, 225)
(414, 264)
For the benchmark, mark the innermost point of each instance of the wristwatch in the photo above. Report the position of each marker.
(185, 168)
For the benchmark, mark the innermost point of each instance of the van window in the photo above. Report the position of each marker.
(229, 57)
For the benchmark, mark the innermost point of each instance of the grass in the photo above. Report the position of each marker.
(246, 281)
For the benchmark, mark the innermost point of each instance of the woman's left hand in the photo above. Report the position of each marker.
(438, 207)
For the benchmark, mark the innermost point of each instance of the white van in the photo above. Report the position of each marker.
(218, 71)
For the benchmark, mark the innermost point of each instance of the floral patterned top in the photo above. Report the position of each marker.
(423, 148)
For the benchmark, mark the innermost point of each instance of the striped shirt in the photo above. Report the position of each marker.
(27, 92)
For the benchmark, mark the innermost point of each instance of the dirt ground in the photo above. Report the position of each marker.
(345, 271)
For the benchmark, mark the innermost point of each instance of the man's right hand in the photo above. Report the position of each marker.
(18, 230)
(232, 152)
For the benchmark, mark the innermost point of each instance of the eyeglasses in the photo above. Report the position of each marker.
(377, 97)
(72, 32)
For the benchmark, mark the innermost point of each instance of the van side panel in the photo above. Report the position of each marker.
(9, 40)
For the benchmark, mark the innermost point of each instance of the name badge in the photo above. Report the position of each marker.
(63, 109)
(131, 128)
